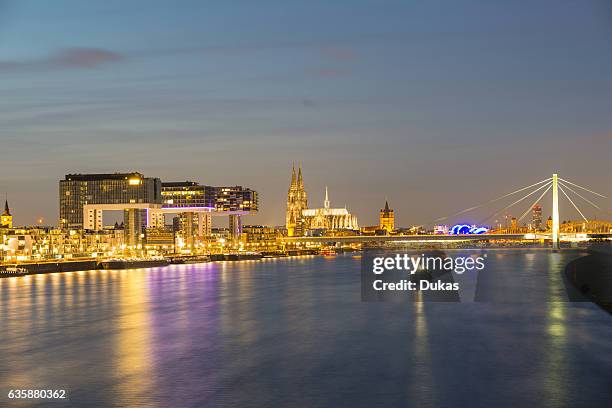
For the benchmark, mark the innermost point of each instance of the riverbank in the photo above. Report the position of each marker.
(34, 268)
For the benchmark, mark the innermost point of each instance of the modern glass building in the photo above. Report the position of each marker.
(79, 190)
(190, 199)
(189, 194)
(236, 199)
(186, 194)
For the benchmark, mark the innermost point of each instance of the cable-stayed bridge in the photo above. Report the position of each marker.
(554, 185)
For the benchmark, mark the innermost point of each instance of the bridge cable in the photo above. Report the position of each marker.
(514, 203)
(603, 210)
(537, 201)
(491, 201)
(584, 188)
(575, 206)
(581, 196)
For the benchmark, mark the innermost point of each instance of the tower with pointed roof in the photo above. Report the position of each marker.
(297, 201)
(387, 218)
(6, 219)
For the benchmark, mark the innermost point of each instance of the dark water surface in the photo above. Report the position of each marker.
(294, 333)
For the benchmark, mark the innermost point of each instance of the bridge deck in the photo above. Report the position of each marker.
(428, 238)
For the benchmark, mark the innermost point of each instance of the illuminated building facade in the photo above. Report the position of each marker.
(194, 203)
(119, 191)
(33, 244)
(591, 226)
(6, 219)
(187, 194)
(260, 237)
(536, 217)
(297, 201)
(160, 239)
(236, 199)
(85, 197)
(387, 219)
(328, 218)
(197, 203)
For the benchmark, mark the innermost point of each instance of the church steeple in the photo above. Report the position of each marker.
(387, 219)
(6, 219)
(7, 210)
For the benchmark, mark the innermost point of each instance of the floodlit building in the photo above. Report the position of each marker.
(196, 204)
(85, 197)
(301, 220)
(297, 201)
(536, 217)
(6, 219)
(387, 219)
(328, 218)
(260, 237)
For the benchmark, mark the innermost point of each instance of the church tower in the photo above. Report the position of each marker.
(296, 202)
(387, 219)
(6, 219)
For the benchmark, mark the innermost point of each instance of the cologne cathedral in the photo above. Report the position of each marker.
(300, 220)
(297, 201)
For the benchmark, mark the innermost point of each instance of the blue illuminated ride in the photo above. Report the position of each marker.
(465, 229)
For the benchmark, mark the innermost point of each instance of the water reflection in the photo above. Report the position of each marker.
(133, 357)
(423, 384)
(293, 332)
(556, 357)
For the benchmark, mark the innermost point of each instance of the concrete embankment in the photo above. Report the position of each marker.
(590, 279)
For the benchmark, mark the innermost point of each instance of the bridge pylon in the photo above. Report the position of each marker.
(555, 212)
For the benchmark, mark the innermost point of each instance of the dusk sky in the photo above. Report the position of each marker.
(435, 105)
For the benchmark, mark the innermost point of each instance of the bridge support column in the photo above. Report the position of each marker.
(555, 212)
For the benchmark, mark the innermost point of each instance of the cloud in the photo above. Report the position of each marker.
(67, 58)
(329, 72)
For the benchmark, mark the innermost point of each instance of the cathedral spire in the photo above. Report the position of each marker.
(300, 180)
(326, 202)
(293, 182)
(386, 206)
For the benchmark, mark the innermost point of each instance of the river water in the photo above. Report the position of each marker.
(294, 333)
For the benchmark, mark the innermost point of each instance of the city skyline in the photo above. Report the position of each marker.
(429, 105)
(568, 209)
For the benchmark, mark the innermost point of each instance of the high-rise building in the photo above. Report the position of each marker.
(536, 216)
(6, 219)
(85, 197)
(236, 199)
(196, 203)
(387, 218)
(188, 194)
(297, 201)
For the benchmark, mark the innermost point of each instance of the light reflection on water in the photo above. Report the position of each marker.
(293, 332)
